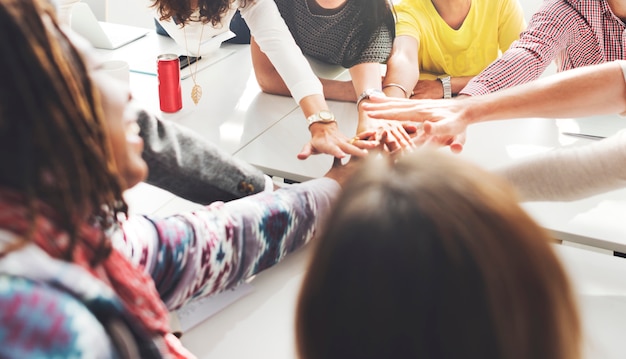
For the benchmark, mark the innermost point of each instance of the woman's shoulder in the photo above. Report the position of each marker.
(41, 320)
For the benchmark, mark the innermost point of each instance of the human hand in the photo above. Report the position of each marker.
(455, 143)
(393, 135)
(428, 89)
(326, 138)
(445, 121)
(342, 172)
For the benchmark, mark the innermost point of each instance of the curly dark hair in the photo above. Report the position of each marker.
(181, 10)
(54, 146)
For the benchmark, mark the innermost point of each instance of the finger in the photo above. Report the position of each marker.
(337, 162)
(365, 135)
(352, 149)
(411, 127)
(437, 141)
(420, 139)
(443, 127)
(405, 136)
(403, 142)
(391, 142)
(367, 144)
(459, 141)
(305, 152)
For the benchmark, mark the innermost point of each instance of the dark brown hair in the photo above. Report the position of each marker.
(53, 140)
(211, 11)
(433, 258)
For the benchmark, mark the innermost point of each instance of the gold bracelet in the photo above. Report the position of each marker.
(406, 93)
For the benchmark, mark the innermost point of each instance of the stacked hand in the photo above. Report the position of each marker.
(391, 136)
(326, 138)
(444, 122)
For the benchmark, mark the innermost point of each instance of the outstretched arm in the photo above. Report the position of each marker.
(402, 67)
(550, 30)
(598, 89)
(572, 173)
(191, 167)
(217, 247)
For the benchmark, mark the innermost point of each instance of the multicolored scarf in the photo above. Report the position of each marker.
(135, 288)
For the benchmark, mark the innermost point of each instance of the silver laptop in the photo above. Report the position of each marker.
(103, 35)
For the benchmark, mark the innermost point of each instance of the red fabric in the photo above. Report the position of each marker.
(134, 287)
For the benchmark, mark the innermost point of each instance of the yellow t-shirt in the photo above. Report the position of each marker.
(488, 30)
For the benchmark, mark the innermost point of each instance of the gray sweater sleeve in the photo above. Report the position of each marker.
(572, 173)
(191, 167)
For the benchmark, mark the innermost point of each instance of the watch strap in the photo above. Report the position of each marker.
(365, 95)
(324, 116)
(447, 86)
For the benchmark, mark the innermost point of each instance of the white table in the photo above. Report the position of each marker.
(268, 131)
(232, 111)
(598, 221)
(261, 325)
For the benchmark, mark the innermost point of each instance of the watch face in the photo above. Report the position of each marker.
(326, 115)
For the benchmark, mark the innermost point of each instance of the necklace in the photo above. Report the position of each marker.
(196, 90)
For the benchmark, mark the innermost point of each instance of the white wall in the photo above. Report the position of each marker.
(130, 12)
(98, 7)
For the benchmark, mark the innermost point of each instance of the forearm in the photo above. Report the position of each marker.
(216, 248)
(458, 83)
(572, 173)
(192, 167)
(275, 41)
(402, 67)
(579, 92)
(550, 31)
(339, 90)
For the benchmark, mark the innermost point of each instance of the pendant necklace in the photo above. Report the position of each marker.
(196, 91)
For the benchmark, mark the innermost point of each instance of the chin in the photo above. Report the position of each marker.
(135, 175)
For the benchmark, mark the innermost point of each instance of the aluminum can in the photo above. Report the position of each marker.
(168, 74)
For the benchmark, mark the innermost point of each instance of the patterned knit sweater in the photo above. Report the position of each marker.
(51, 308)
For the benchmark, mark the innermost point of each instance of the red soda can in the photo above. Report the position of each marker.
(168, 74)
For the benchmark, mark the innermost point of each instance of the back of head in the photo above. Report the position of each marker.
(211, 11)
(433, 258)
(53, 141)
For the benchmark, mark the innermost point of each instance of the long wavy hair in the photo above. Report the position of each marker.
(211, 11)
(434, 258)
(377, 12)
(53, 141)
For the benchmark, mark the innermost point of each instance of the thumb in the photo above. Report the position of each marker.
(443, 128)
(457, 144)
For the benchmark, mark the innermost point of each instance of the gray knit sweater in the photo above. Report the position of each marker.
(334, 37)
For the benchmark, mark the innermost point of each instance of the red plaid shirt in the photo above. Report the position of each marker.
(573, 33)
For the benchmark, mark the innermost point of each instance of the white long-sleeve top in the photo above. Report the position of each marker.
(572, 173)
(269, 31)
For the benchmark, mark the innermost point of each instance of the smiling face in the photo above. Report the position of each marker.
(121, 115)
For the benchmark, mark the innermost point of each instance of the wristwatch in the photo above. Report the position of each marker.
(447, 87)
(324, 116)
(365, 95)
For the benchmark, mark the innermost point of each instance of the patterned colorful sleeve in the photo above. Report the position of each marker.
(40, 321)
(550, 30)
(207, 251)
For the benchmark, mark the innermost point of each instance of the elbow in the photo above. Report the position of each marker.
(272, 85)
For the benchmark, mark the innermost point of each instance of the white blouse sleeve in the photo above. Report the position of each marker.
(572, 173)
(275, 40)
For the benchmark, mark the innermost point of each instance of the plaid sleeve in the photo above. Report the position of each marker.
(550, 31)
